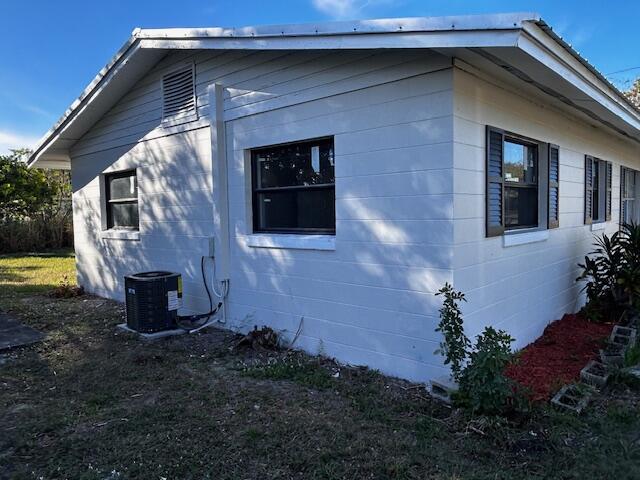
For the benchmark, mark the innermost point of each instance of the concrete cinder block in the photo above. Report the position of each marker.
(613, 354)
(626, 336)
(442, 388)
(595, 373)
(573, 397)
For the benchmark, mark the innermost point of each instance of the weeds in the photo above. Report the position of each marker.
(66, 289)
(89, 402)
(292, 368)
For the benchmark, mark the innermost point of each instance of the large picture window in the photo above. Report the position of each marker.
(294, 188)
(121, 190)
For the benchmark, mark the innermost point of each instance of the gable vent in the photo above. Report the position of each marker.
(178, 96)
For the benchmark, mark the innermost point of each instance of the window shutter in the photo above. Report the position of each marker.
(178, 94)
(588, 189)
(554, 187)
(495, 182)
(608, 181)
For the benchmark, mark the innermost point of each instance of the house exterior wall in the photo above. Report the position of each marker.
(370, 300)
(523, 288)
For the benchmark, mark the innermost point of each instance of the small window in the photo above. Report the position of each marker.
(628, 188)
(521, 184)
(294, 188)
(121, 191)
(597, 186)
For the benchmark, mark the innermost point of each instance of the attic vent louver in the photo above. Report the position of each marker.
(178, 96)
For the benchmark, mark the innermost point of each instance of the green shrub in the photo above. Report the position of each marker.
(611, 273)
(455, 345)
(35, 207)
(484, 388)
(632, 356)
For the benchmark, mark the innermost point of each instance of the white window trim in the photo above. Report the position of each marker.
(523, 238)
(601, 225)
(292, 241)
(116, 234)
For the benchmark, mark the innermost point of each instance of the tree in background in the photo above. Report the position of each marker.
(35, 206)
(633, 93)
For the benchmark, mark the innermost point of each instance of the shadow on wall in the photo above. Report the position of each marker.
(175, 212)
(372, 299)
(369, 301)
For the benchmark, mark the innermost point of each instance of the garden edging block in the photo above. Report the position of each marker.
(623, 336)
(613, 354)
(595, 373)
(573, 397)
(442, 388)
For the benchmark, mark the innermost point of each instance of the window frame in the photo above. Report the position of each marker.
(526, 142)
(108, 201)
(604, 169)
(624, 194)
(256, 191)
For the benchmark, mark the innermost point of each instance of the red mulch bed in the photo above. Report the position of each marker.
(557, 357)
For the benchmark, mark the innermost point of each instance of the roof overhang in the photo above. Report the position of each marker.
(520, 44)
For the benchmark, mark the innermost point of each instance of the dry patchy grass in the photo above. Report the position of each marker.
(92, 403)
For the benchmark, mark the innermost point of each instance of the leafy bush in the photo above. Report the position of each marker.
(455, 345)
(484, 388)
(35, 206)
(611, 273)
(632, 356)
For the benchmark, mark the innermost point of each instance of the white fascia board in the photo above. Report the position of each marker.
(450, 39)
(536, 43)
(97, 85)
(504, 21)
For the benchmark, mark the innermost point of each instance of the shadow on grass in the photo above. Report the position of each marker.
(64, 253)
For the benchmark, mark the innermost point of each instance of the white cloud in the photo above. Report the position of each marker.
(342, 9)
(10, 140)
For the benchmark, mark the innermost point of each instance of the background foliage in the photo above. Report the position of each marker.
(35, 206)
(634, 93)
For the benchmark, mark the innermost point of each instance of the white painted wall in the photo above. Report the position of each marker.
(410, 146)
(368, 301)
(523, 288)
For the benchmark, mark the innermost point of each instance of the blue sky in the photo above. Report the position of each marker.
(50, 50)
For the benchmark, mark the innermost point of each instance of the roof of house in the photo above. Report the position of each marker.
(521, 44)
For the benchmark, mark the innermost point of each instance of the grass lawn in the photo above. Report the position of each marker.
(92, 403)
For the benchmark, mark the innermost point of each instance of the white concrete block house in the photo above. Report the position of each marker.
(346, 171)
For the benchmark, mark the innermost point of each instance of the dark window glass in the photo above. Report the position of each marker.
(595, 215)
(521, 207)
(628, 196)
(122, 200)
(521, 185)
(294, 188)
